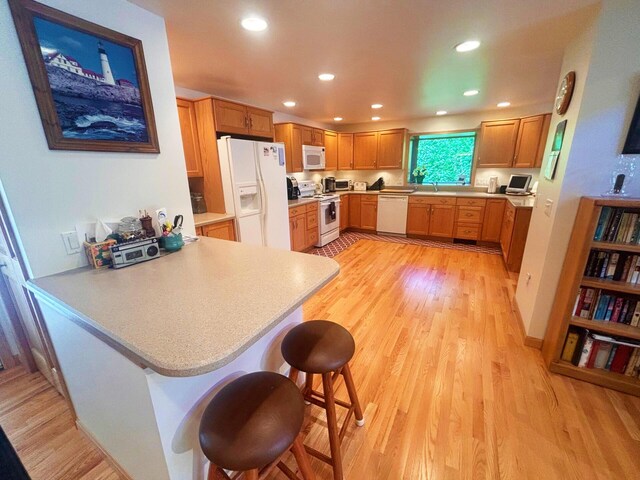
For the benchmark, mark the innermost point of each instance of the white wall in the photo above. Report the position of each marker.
(607, 86)
(49, 191)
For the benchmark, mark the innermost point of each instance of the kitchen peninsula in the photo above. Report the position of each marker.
(155, 341)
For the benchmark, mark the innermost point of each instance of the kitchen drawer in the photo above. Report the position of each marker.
(469, 214)
(441, 200)
(293, 211)
(312, 219)
(369, 198)
(312, 207)
(419, 200)
(468, 231)
(471, 202)
(312, 236)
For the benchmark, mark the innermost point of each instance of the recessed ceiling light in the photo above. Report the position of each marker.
(376, 105)
(441, 112)
(375, 118)
(254, 24)
(504, 104)
(467, 46)
(289, 103)
(325, 77)
(470, 93)
(337, 119)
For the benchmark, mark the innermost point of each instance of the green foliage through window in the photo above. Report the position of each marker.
(447, 157)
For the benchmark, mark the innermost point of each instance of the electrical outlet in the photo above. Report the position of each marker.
(71, 243)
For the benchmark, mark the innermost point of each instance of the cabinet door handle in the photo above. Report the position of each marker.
(246, 122)
(251, 122)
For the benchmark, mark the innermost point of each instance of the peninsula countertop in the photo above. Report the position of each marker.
(193, 311)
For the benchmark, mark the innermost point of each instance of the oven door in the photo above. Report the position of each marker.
(329, 220)
(313, 157)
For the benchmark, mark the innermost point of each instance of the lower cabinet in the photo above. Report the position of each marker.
(442, 220)
(344, 211)
(513, 237)
(369, 212)
(354, 211)
(223, 230)
(492, 225)
(418, 216)
(303, 226)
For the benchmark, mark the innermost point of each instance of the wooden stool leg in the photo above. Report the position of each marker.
(216, 474)
(332, 424)
(251, 474)
(353, 395)
(308, 386)
(293, 375)
(302, 459)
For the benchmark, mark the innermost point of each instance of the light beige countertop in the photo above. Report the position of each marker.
(208, 218)
(302, 201)
(192, 311)
(517, 201)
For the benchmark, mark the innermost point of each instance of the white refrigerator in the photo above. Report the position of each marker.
(255, 190)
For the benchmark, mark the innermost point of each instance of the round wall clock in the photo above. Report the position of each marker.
(563, 98)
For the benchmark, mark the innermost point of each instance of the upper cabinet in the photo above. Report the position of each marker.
(515, 143)
(312, 136)
(379, 150)
(236, 118)
(292, 136)
(330, 150)
(345, 151)
(391, 147)
(532, 138)
(497, 143)
(190, 143)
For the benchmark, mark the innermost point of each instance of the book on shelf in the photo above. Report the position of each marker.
(586, 349)
(616, 266)
(602, 305)
(618, 225)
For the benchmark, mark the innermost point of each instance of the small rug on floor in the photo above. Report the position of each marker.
(349, 238)
(11, 467)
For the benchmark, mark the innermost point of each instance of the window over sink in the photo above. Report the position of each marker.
(446, 157)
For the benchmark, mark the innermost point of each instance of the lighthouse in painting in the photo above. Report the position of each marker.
(106, 68)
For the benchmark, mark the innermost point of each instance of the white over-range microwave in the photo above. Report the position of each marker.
(312, 157)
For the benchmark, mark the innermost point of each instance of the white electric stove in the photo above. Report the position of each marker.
(328, 218)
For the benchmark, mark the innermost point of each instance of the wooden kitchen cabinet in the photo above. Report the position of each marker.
(418, 215)
(330, 150)
(190, 142)
(391, 148)
(493, 217)
(365, 150)
(530, 144)
(344, 212)
(543, 140)
(497, 143)
(318, 137)
(345, 151)
(298, 232)
(223, 230)
(354, 211)
(303, 226)
(307, 135)
(237, 118)
(369, 212)
(515, 228)
(291, 135)
(442, 220)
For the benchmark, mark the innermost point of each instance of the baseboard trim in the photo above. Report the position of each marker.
(532, 342)
(110, 460)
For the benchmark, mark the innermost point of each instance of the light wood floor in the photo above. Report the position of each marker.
(448, 388)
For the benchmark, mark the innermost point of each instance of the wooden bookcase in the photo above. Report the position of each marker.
(572, 278)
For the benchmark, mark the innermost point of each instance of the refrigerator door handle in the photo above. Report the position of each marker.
(264, 208)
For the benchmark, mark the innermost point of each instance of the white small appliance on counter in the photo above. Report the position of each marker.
(343, 184)
(493, 185)
(359, 186)
(307, 188)
(519, 185)
(312, 157)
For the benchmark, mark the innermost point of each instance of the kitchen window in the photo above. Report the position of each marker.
(447, 157)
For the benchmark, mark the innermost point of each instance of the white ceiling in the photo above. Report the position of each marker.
(398, 53)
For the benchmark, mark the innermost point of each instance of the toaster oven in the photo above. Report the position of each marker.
(343, 184)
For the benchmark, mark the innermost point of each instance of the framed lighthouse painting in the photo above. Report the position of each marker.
(90, 82)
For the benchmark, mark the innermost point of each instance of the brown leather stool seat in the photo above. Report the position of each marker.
(318, 346)
(252, 421)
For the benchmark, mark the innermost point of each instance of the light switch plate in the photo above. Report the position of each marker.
(71, 243)
(548, 206)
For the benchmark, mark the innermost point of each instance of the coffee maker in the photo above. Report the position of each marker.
(329, 184)
(293, 192)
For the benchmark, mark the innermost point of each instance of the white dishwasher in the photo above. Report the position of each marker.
(392, 214)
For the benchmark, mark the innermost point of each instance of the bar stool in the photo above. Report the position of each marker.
(249, 426)
(323, 347)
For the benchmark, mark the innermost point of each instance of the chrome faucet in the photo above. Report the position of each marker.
(435, 186)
